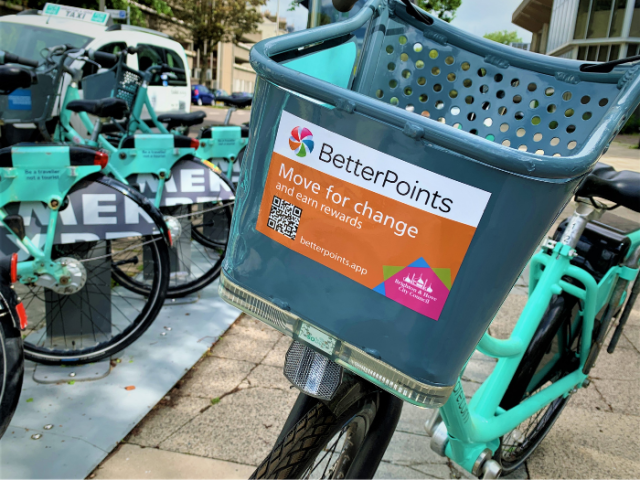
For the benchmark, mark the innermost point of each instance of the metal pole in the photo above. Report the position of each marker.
(128, 14)
(102, 5)
(277, 18)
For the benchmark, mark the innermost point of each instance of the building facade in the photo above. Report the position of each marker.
(591, 30)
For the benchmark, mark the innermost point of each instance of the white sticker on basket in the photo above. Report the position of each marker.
(355, 163)
(393, 227)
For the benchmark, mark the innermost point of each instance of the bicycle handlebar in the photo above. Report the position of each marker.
(106, 60)
(6, 57)
(344, 6)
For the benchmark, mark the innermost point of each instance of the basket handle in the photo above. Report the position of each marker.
(417, 14)
(607, 66)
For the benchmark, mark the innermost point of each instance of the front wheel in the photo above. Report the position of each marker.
(199, 102)
(328, 441)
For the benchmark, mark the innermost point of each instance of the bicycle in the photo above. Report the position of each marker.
(373, 327)
(195, 199)
(13, 320)
(87, 243)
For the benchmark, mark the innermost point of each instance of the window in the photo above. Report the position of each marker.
(635, 21)
(601, 18)
(151, 55)
(581, 19)
(28, 41)
(599, 53)
(633, 49)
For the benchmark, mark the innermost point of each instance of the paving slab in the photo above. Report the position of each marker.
(214, 376)
(98, 414)
(132, 461)
(241, 428)
(589, 444)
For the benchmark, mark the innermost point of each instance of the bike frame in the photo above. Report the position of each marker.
(476, 426)
(20, 183)
(226, 140)
(133, 160)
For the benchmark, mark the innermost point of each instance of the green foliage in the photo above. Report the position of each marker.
(504, 37)
(215, 401)
(632, 125)
(444, 9)
(137, 15)
(216, 21)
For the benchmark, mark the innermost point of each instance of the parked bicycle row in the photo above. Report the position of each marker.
(109, 222)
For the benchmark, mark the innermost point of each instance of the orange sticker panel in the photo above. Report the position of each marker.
(328, 210)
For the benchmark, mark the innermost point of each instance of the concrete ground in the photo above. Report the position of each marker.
(223, 417)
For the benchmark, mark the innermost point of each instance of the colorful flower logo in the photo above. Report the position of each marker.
(301, 141)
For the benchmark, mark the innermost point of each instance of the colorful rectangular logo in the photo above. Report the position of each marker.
(391, 226)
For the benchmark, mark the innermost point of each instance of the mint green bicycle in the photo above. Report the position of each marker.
(194, 196)
(93, 254)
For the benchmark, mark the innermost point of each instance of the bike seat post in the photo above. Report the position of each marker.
(229, 113)
(584, 213)
(97, 127)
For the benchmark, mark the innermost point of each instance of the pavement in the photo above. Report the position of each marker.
(223, 416)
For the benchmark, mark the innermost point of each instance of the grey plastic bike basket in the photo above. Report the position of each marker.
(524, 127)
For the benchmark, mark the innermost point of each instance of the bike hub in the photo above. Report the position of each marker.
(174, 226)
(73, 277)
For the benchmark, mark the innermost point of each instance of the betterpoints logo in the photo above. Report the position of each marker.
(301, 141)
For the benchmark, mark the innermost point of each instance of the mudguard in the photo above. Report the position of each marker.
(192, 181)
(92, 211)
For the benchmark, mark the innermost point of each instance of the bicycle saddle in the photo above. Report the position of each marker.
(182, 119)
(12, 78)
(105, 107)
(238, 102)
(244, 131)
(621, 187)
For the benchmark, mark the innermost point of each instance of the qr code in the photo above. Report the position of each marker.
(284, 217)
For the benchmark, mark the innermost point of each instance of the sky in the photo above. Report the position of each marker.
(475, 16)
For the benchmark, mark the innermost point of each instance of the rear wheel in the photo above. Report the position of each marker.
(126, 281)
(549, 357)
(11, 366)
(196, 257)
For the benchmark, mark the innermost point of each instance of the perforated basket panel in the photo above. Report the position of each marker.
(128, 84)
(518, 108)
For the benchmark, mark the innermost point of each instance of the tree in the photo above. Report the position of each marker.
(213, 21)
(137, 16)
(504, 37)
(444, 9)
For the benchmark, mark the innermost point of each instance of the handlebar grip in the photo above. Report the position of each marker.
(344, 6)
(11, 58)
(167, 68)
(106, 60)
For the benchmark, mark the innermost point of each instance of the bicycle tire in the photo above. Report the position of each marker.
(129, 316)
(11, 366)
(560, 313)
(368, 417)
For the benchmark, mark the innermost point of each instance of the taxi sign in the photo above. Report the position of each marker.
(74, 13)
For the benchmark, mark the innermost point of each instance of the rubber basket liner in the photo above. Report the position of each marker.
(27, 105)
(393, 190)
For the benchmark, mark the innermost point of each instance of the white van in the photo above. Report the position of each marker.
(28, 32)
